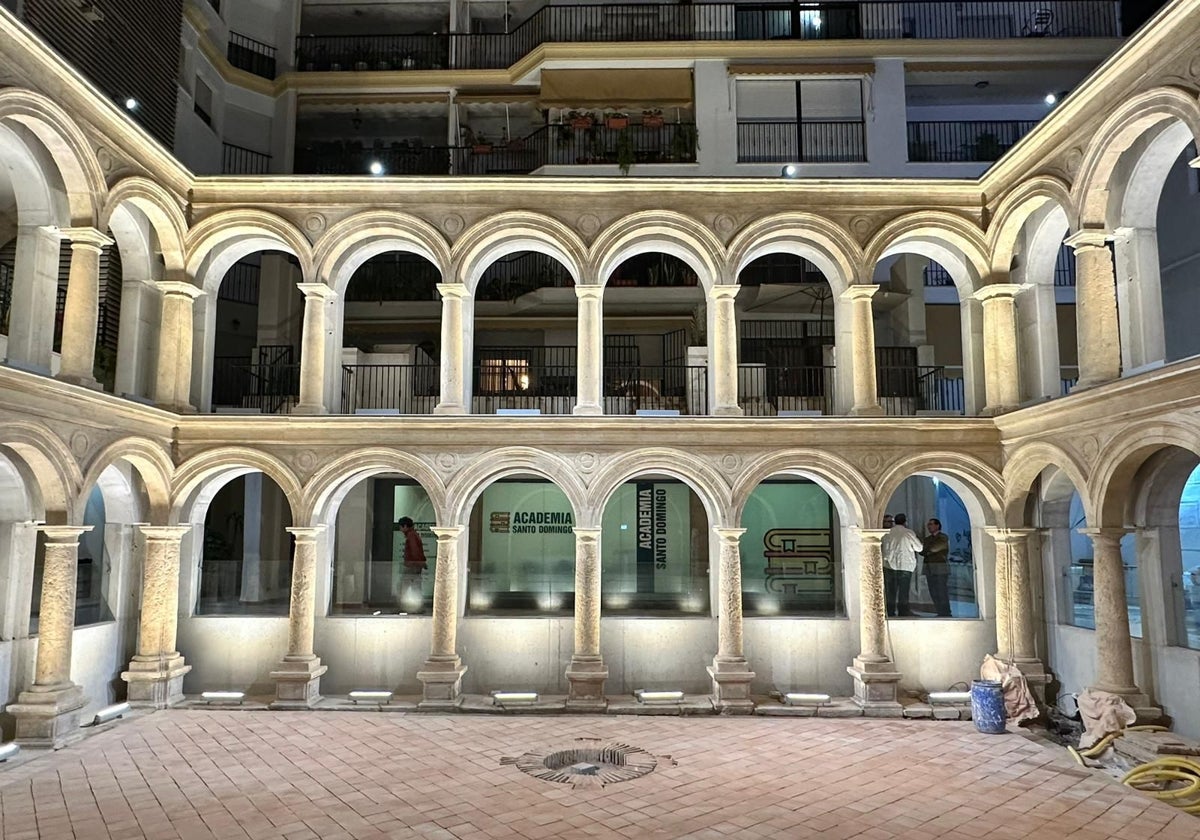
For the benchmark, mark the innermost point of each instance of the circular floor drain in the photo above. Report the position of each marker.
(588, 761)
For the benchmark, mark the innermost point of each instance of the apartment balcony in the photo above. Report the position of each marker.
(250, 55)
(982, 141)
(238, 160)
(662, 22)
(351, 157)
(804, 141)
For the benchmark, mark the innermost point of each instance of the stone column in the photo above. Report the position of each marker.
(723, 351)
(173, 382)
(1114, 646)
(1095, 309)
(82, 308)
(317, 299)
(587, 672)
(590, 350)
(1001, 370)
(298, 677)
(443, 671)
(156, 673)
(35, 286)
(1015, 628)
(876, 679)
(862, 353)
(455, 367)
(47, 713)
(731, 674)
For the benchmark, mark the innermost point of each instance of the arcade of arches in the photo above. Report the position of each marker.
(639, 447)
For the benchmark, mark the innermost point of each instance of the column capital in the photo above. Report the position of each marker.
(86, 237)
(1000, 291)
(164, 533)
(457, 291)
(583, 534)
(1095, 534)
(724, 291)
(875, 535)
(63, 534)
(318, 291)
(445, 533)
(309, 534)
(861, 291)
(1088, 238)
(1010, 535)
(179, 287)
(589, 292)
(728, 534)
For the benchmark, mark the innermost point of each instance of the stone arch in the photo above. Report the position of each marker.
(849, 489)
(163, 211)
(467, 485)
(508, 233)
(1014, 211)
(983, 486)
(323, 494)
(82, 177)
(1159, 487)
(36, 186)
(1021, 470)
(704, 480)
(348, 244)
(52, 466)
(224, 238)
(662, 231)
(956, 243)
(1121, 460)
(1135, 117)
(827, 245)
(199, 478)
(153, 465)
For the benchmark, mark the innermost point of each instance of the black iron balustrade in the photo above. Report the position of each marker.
(6, 289)
(979, 141)
(903, 391)
(656, 22)
(504, 380)
(806, 141)
(1064, 266)
(769, 390)
(238, 160)
(511, 277)
(629, 389)
(338, 157)
(271, 388)
(250, 55)
(394, 277)
(405, 389)
(240, 284)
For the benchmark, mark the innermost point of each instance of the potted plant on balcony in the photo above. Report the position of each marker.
(481, 145)
(684, 143)
(579, 119)
(652, 118)
(626, 154)
(616, 120)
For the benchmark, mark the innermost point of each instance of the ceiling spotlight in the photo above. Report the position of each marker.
(376, 168)
(1050, 99)
(982, 83)
(131, 104)
(791, 171)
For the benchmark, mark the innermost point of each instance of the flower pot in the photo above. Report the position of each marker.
(581, 122)
(482, 148)
(617, 122)
(652, 122)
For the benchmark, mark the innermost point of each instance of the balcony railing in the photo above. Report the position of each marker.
(981, 141)
(769, 391)
(629, 389)
(1064, 270)
(407, 389)
(6, 288)
(808, 141)
(251, 55)
(339, 157)
(903, 391)
(240, 284)
(271, 388)
(237, 160)
(655, 22)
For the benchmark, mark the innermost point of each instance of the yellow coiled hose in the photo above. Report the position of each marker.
(1173, 778)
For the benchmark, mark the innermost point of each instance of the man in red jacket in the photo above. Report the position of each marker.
(411, 596)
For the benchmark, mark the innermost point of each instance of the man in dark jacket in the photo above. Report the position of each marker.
(411, 599)
(935, 548)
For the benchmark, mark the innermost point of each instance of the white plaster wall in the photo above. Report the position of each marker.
(98, 656)
(789, 654)
(932, 655)
(236, 653)
(16, 671)
(373, 652)
(516, 653)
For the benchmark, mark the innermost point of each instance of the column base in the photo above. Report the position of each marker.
(588, 410)
(866, 411)
(309, 410)
(441, 680)
(731, 680)
(443, 408)
(876, 687)
(585, 678)
(49, 716)
(156, 682)
(82, 381)
(1036, 677)
(727, 411)
(298, 683)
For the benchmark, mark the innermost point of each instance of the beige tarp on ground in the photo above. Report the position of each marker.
(1102, 713)
(1019, 703)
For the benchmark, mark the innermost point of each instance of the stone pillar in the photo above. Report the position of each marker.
(590, 350)
(587, 672)
(156, 673)
(82, 308)
(298, 677)
(731, 674)
(35, 286)
(455, 367)
(1095, 309)
(1001, 370)
(723, 351)
(876, 679)
(1114, 646)
(1015, 626)
(443, 671)
(47, 713)
(317, 299)
(862, 351)
(173, 382)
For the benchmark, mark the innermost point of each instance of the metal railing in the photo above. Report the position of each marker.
(656, 22)
(270, 388)
(394, 276)
(632, 388)
(6, 289)
(250, 55)
(240, 284)
(980, 141)
(238, 160)
(807, 141)
(1064, 266)
(338, 157)
(903, 391)
(766, 391)
(408, 389)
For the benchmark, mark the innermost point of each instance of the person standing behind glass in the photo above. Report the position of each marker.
(936, 551)
(411, 598)
(899, 547)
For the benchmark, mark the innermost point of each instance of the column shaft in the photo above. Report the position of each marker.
(1014, 608)
(1095, 310)
(82, 307)
(35, 284)
(1001, 371)
(173, 382)
(301, 617)
(729, 619)
(159, 619)
(872, 607)
(317, 297)
(445, 593)
(862, 331)
(56, 613)
(590, 350)
(1114, 650)
(454, 369)
(587, 592)
(723, 351)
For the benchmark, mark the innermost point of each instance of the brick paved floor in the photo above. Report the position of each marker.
(213, 774)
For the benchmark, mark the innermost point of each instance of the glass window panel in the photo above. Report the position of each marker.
(1133, 584)
(1189, 544)
(521, 555)
(791, 559)
(654, 550)
(831, 99)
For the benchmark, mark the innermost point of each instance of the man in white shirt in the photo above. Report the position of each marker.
(900, 546)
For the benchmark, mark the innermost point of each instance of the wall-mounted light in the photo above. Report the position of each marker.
(370, 695)
(223, 696)
(112, 712)
(791, 171)
(645, 696)
(1050, 98)
(376, 168)
(514, 698)
(801, 699)
(131, 104)
(9, 750)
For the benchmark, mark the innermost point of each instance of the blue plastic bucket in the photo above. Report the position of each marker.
(987, 707)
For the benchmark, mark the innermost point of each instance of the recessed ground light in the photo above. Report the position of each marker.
(8, 751)
(938, 698)
(223, 696)
(645, 696)
(514, 698)
(370, 695)
(798, 699)
(112, 712)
